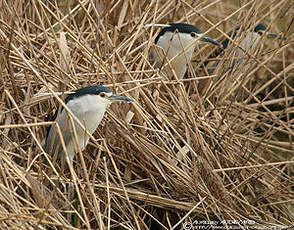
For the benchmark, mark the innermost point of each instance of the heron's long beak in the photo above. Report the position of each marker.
(120, 98)
(209, 40)
(272, 36)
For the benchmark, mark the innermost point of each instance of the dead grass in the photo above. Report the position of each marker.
(175, 155)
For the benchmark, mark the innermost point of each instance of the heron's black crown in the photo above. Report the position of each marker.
(89, 90)
(260, 27)
(180, 27)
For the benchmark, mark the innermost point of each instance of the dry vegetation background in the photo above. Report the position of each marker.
(175, 155)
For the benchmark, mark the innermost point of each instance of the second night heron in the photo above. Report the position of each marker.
(237, 58)
(247, 45)
(176, 44)
(88, 105)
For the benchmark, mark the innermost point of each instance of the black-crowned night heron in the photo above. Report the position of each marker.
(88, 105)
(247, 44)
(237, 56)
(176, 43)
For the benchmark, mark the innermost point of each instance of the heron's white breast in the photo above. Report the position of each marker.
(89, 109)
(175, 43)
(179, 49)
(248, 43)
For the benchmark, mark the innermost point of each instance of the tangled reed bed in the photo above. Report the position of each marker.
(177, 155)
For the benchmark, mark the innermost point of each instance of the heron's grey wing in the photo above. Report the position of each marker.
(82, 135)
(248, 45)
(53, 144)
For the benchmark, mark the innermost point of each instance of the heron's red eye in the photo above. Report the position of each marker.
(193, 34)
(102, 94)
